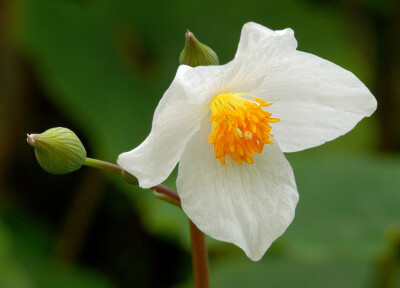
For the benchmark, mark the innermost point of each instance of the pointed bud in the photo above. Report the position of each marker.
(197, 54)
(58, 150)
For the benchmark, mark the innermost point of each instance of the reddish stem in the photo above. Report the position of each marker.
(199, 257)
(167, 194)
(163, 192)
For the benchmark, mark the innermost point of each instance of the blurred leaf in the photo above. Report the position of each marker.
(11, 274)
(5, 240)
(284, 273)
(26, 262)
(46, 273)
(346, 205)
(383, 7)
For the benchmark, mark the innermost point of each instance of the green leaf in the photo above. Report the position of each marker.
(11, 274)
(286, 273)
(25, 260)
(346, 205)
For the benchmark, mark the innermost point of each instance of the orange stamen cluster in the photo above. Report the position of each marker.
(240, 127)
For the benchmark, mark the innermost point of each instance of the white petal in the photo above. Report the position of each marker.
(265, 42)
(259, 48)
(176, 119)
(248, 205)
(205, 82)
(316, 100)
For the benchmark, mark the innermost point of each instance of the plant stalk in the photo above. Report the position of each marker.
(162, 192)
(199, 257)
(106, 166)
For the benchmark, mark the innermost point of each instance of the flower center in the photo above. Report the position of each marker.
(240, 127)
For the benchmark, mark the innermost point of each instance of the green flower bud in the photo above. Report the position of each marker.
(197, 54)
(58, 150)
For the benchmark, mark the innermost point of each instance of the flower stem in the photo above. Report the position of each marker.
(161, 191)
(199, 257)
(164, 193)
(106, 166)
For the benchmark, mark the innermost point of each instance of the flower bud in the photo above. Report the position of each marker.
(58, 150)
(197, 54)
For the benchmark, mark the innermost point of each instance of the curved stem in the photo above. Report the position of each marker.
(167, 194)
(113, 168)
(199, 257)
(161, 191)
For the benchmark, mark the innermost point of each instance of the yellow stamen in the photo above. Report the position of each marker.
(240, 127)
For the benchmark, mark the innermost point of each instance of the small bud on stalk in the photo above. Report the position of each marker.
(197, 54)
(58, 150)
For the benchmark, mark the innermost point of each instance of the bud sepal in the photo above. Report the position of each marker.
(58, 150)
(196, 53)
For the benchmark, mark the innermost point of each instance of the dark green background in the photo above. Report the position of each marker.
(100, 68)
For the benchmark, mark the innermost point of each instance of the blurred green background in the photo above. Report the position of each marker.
(100, 68)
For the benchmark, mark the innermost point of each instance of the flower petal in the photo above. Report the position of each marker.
(259, 47)
(205, 82)
(315, 100)
(265, 42)
(248, 205)
(176, 119)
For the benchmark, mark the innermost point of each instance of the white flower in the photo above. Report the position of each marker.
(228, 109)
